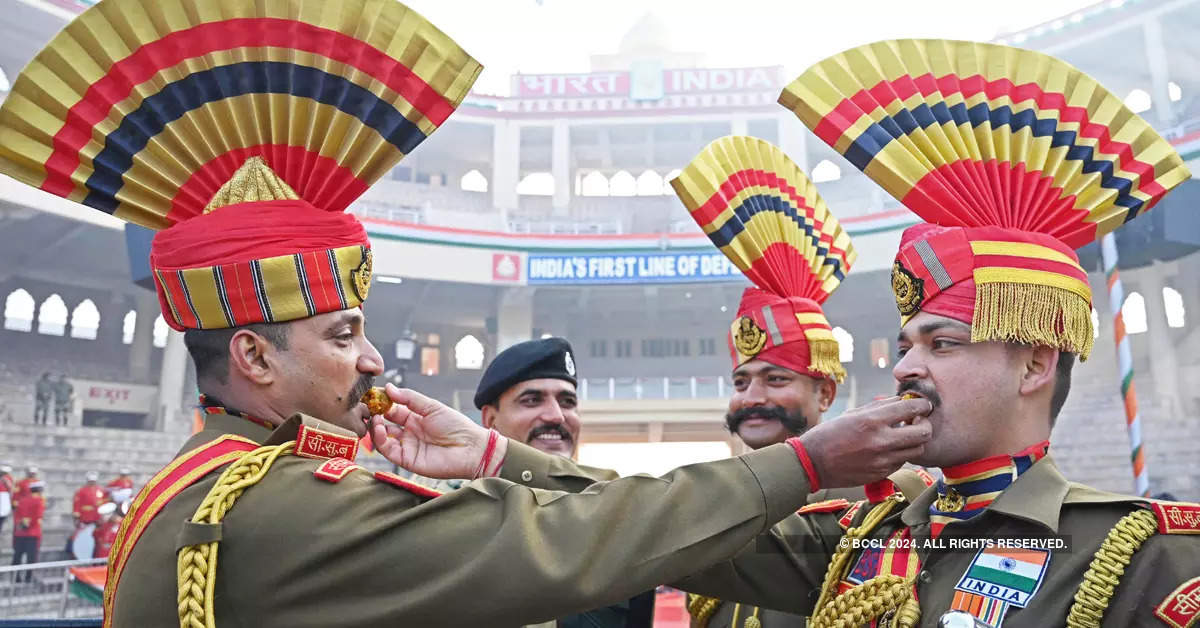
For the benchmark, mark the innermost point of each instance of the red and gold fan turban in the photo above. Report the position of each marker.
(766, 216)
(242, 130)
(1014, 158)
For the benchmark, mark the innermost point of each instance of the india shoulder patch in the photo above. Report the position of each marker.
(1008, 575)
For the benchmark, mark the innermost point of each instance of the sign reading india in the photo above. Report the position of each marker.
(1008, 575)
(677, 81)
(631, 268)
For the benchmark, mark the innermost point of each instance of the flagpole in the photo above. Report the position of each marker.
(1133, 420)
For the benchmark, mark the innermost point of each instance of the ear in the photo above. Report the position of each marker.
(252, 357)
(826, 393)
(489, 416)
(1040, 367)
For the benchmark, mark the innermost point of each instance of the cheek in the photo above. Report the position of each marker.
(789, 397)
(516, 423)
(573, 424)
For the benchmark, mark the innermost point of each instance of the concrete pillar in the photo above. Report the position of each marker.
(142, 347)
(171, 379)
(1156, 57)
(506, 164)
(514, 317)
(1164, 362)
(654, 433)
(560, 166)
(793, 139)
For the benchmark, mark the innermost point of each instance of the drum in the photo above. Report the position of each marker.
(83, 544)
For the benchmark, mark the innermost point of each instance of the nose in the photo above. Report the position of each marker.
(911, 366)
(553, 413)
(755, 393)
(369, 361)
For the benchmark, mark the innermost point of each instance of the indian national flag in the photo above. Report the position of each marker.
(88, 582)
(1012, 575)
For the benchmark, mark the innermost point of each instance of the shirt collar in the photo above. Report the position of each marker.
(217, 423)
(1036, 496)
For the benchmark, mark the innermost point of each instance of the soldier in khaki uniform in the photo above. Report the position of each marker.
(1015, 159)
(785, 359)
(241, 130)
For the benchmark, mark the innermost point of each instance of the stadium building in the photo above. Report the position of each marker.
(547, 211)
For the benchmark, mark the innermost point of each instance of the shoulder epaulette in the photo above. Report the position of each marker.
(184, 471)
(1177, 517)
(407, 484)
(829, 505)
(847, 518)
(334, 469)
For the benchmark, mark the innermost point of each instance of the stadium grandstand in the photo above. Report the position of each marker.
(547, 211)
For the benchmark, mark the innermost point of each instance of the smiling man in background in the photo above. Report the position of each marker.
(528, 394)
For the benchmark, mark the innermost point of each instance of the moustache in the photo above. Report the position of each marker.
(914, 386)
(549, 428)
(364, 383)
(794, 422)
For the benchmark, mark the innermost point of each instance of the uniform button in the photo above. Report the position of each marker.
(527, 476)
(925, 576)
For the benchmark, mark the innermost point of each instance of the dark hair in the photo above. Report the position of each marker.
(1062, 384)
(209, 348)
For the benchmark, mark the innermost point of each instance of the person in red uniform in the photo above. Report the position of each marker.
(124, 480)
(120, 490)
(31, 476)
(106, 532)
(6, 489)
(88, 498)
(27, 528)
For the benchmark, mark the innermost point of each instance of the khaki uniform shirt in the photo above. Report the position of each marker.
(296, 551)
(734, 615)
(784, 569)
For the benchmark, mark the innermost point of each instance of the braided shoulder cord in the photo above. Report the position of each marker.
(702, 607)
(1109, 563)
(197, 564)
(885, 594)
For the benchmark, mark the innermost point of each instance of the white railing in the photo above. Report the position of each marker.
(38, 590)
(616, 388)
(370, 209)
(1182, 129)
(565, 227)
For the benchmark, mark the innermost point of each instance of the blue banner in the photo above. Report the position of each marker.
(615, 268)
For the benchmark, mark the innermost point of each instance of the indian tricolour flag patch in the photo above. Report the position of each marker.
(1008, 575)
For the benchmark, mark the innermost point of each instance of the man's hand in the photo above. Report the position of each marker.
(867, 443)
(427, 437)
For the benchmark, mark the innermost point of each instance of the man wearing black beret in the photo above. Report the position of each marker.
(528, 394)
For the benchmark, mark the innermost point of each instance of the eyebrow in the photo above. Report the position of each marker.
(766, 370)
(929, 328)
(349, 318)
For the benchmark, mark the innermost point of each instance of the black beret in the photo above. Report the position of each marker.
(548, 358)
